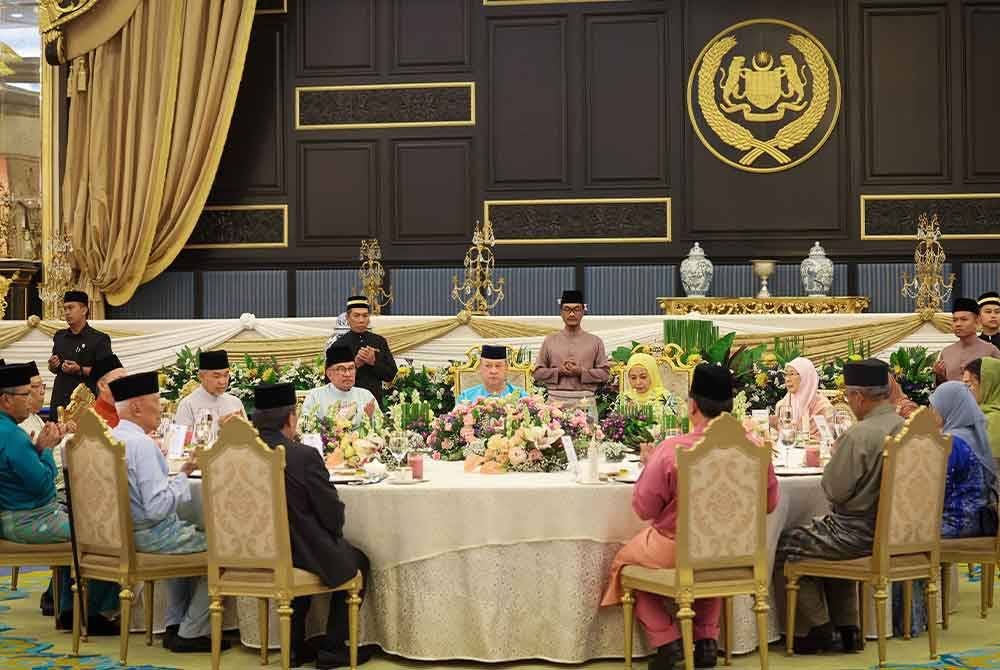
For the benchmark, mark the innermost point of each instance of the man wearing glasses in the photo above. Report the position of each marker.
(572, 363)
(341, 393)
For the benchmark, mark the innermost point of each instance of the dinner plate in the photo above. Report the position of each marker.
(626, 479)
(797, 471)
(406, 481)
(346, 479)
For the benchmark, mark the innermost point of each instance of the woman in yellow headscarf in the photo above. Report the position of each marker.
(644, 384)
(989, 401)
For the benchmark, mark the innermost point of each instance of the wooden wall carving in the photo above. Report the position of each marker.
(241, 226)
(973, 216)
(388, 105)
(579, 221)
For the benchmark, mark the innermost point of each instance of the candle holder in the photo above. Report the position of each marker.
(372, 275)
(928, 286)
(477, 294)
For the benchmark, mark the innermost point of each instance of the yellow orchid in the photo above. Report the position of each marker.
(839, 380)
(761, 379)
(694, 359)
(898, 370)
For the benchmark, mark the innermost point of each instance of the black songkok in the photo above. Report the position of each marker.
(965, 305)
(989, 298)
(338, 354)
(493, 352)
(33, 368)
(105, 365)
(271, 396)
(213, 360)
(869, 372)
(76, 296)
(358, 301)
(12, 376)
(135, 386)
(713, 382)
(571, 298)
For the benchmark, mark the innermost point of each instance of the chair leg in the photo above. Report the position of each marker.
(945, 615)
(989, 581)
(285, 623)
(628, 603)
(125, 598)
(931, 594)
(791, 598)
(84, 590)
(353, 605)
(56, 591)
(263, 605)
(76, 618)
(685, 614)
(147, 598)
(760, 607)
(863, 611)
(881, 595)
(215, 609)
(728, 619)
(907, 609)
(15, 572)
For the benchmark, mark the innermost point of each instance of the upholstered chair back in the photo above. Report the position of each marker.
(722, 501)
(467, 375)
(676, 376)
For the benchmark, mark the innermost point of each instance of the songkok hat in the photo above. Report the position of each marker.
(270, 396)
(338, 354)
(134, 386)
(359, 301)
(713, 382)
(493, 352)
(989, 298)
(213, 360)
(76, 296)
(965, 305)
(105, 365)
(571, 297)
(869, 372)
(33, 368)
(15, 375)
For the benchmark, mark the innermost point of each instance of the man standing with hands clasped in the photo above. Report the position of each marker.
(372, 358)
(74, 351)
(954, 357)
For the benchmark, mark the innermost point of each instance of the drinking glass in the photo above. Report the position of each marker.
(399, 446)
(203, 427)
(841, 422)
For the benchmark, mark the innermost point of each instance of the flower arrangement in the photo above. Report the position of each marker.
(528, 423)
(831, 373)
(914, 370)
(344, 443)
(767, 386)
(632, 424)
(430, 385)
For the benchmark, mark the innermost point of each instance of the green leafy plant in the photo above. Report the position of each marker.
(914, 370)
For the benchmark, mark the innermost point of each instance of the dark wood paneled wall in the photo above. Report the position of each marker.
(588, 101)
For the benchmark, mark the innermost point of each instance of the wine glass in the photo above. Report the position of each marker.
(841, 423)
(399, 446)
(203, 427)
(786, 428)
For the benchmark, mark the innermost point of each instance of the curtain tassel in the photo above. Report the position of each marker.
(81, 73)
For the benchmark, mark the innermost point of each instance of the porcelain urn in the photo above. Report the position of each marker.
(696, 273)
(817, 272)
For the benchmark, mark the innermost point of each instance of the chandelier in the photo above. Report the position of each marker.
(477, 294)
(928, 286)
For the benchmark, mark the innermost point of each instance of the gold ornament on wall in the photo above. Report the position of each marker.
(730, 101)
(372, 275)
(928, 286)
(477, 294)
(6, 213)
(58, 277)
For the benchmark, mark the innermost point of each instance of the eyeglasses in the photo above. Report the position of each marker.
(572, 310)
(344, 370)
(38, 387)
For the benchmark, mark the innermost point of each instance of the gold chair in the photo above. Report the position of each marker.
(676, 376)
(721, 535)
(102, 520)
(466, 375)
(907, 542)
(249, 549)
(80, 401)
(982, 550)
(56, 555)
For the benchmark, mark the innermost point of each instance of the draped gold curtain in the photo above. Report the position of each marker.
(148, 120)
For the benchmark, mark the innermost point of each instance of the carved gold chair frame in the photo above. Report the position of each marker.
(675, 375)
(466, 375)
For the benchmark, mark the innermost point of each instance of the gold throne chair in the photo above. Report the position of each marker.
(676, 376)
(466, 375)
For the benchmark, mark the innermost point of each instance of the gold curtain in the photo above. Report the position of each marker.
(75, 27)
(148, 121)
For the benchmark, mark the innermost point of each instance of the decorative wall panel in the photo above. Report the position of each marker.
(337, 38)
(627, 289)
(432, 190)
(338, 191)
(240, 226)
(169, 296)
(272, 7)
(442, 48)
(982, 94)
(228, 294)
(323, 292)
(579, 221)
(962, 215)
(385, 106)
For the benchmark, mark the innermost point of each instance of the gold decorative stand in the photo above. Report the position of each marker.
(16, 282)
(734, 306)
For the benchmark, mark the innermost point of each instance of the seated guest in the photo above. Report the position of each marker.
(851, 482)
(655, 499)
(989, 401)
(315, 524)
(904, 406)
(105, 371)
(33, 424)
(644, 384)
(954, 357)
(804, 398)
(31, 514)
(970, 376)
(153, 499)
(493, 372)
(989, 318)
(213, 373)
(341, 391)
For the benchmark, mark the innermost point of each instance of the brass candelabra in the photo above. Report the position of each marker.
(928, 286)
(372, 275)
(6, 213)
(478, 293)
(58, 277)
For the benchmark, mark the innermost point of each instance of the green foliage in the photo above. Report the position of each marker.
(787, 349)
(914, 370)
(691, 335)
(623, 353)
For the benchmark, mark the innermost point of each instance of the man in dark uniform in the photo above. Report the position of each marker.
(372, 357)
(315, 525)
(989, 318)
(74, 351)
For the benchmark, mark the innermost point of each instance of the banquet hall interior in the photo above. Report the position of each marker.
(499, 333)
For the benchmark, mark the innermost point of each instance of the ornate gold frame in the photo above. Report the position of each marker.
(925, 196)
(472, 365)
(835, 85)
(80, 401)
(471, 121)
(782, 305)
(584, 201)
(670, 357)
(283, 10)
(249, 245)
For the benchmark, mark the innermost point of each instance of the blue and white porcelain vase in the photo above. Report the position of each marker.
(696, 272)
(817, 272)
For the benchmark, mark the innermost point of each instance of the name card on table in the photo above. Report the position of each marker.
(174, 438)
(315, 441)
(567, 444)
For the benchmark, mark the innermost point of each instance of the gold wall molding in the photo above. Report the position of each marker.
(790, 305)
(249, 244)
(445, 103)
(961, 206)
(276, 10)
(577, 207)
(503, 3)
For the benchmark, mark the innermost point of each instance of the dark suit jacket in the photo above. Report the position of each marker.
(315, 514)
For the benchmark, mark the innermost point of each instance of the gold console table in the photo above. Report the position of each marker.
(831, 305)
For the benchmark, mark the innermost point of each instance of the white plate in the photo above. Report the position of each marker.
(344, 479)
(406, 481)
(797, 471)
(597, 483)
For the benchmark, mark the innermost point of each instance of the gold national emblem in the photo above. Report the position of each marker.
(759, 112)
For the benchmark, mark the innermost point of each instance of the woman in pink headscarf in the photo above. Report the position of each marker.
(802, 382)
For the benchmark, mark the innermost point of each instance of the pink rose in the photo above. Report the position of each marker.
(468, 419)
(468, 433)
(436, 456)
(554, 425)
(517, 455)
(447, 445)
(447, 426)
(534, 455)
(432, 439)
